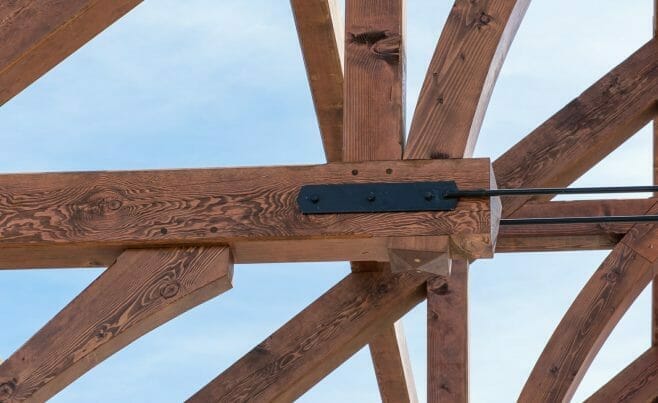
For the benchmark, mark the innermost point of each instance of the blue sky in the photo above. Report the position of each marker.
(221, 83)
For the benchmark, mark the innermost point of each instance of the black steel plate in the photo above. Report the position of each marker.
(376, 197)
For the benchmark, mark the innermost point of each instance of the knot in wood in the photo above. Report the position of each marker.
(384, 44)
(553, 370)
(169, 290)
(7, 390)
(102, 331)
(612, 276)
(484, 20)
(442, 289)
(383, 289)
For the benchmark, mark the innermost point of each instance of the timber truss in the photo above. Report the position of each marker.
(169, 238)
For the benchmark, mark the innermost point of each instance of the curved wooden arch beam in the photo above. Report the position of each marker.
(318, 339)
(585, 131)
(636, 383)
(140, 291)
(320, 31)
(36, 35)
(584, 328)
(461, 77)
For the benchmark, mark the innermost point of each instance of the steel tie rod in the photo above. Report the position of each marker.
(556, 191)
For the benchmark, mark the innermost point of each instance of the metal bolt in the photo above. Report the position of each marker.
(429, 196)
(314, 199)
(371, 197)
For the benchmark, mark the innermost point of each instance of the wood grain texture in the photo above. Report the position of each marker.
(390, 358)
(374, 130)
(374, 80)
(318, 339)
(562, 237)
(636, 383)
(141, 291)
(461, 77)
(654, 283)
(37, 35)
(584, 328)
(321, 36)
(447, 336)
(223, 206)
(585, 131)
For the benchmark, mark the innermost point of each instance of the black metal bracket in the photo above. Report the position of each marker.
(377, 197)
(441, 196)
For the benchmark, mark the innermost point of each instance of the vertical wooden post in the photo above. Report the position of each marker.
(654, 284)
(374, 83)
(447, 336)
(373, 124)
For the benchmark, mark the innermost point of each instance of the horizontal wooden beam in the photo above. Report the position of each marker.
(636, 383)
(37, 35)
(527, 238)
(461, 77)
(585, 131)
(141, 291)
(318, 339)
(99, 211)
(565, 237)
(321, 36)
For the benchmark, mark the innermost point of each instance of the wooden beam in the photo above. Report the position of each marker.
(562, 237)
(374, 80)
(654, 284)
(36, 35)
(592, 316)
(447, 336)
(392, 365)
(321, 36)
(141, 291)
(541, 238)
(318, 339)
(585, 131)
(224, 206)
(374, 130)
(461, 77)
(636, 383)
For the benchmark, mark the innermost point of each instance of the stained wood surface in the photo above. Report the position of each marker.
(585, 131)
(447, 336)
(390, 358)
(141, 291)
(654, 284)
(321, 36)
(374, 80)
(636, 383)
(218, 206)
(562, 237)
(374, 130)
(584, 328)
(37, 35)
(318, 339)
(461, 77)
